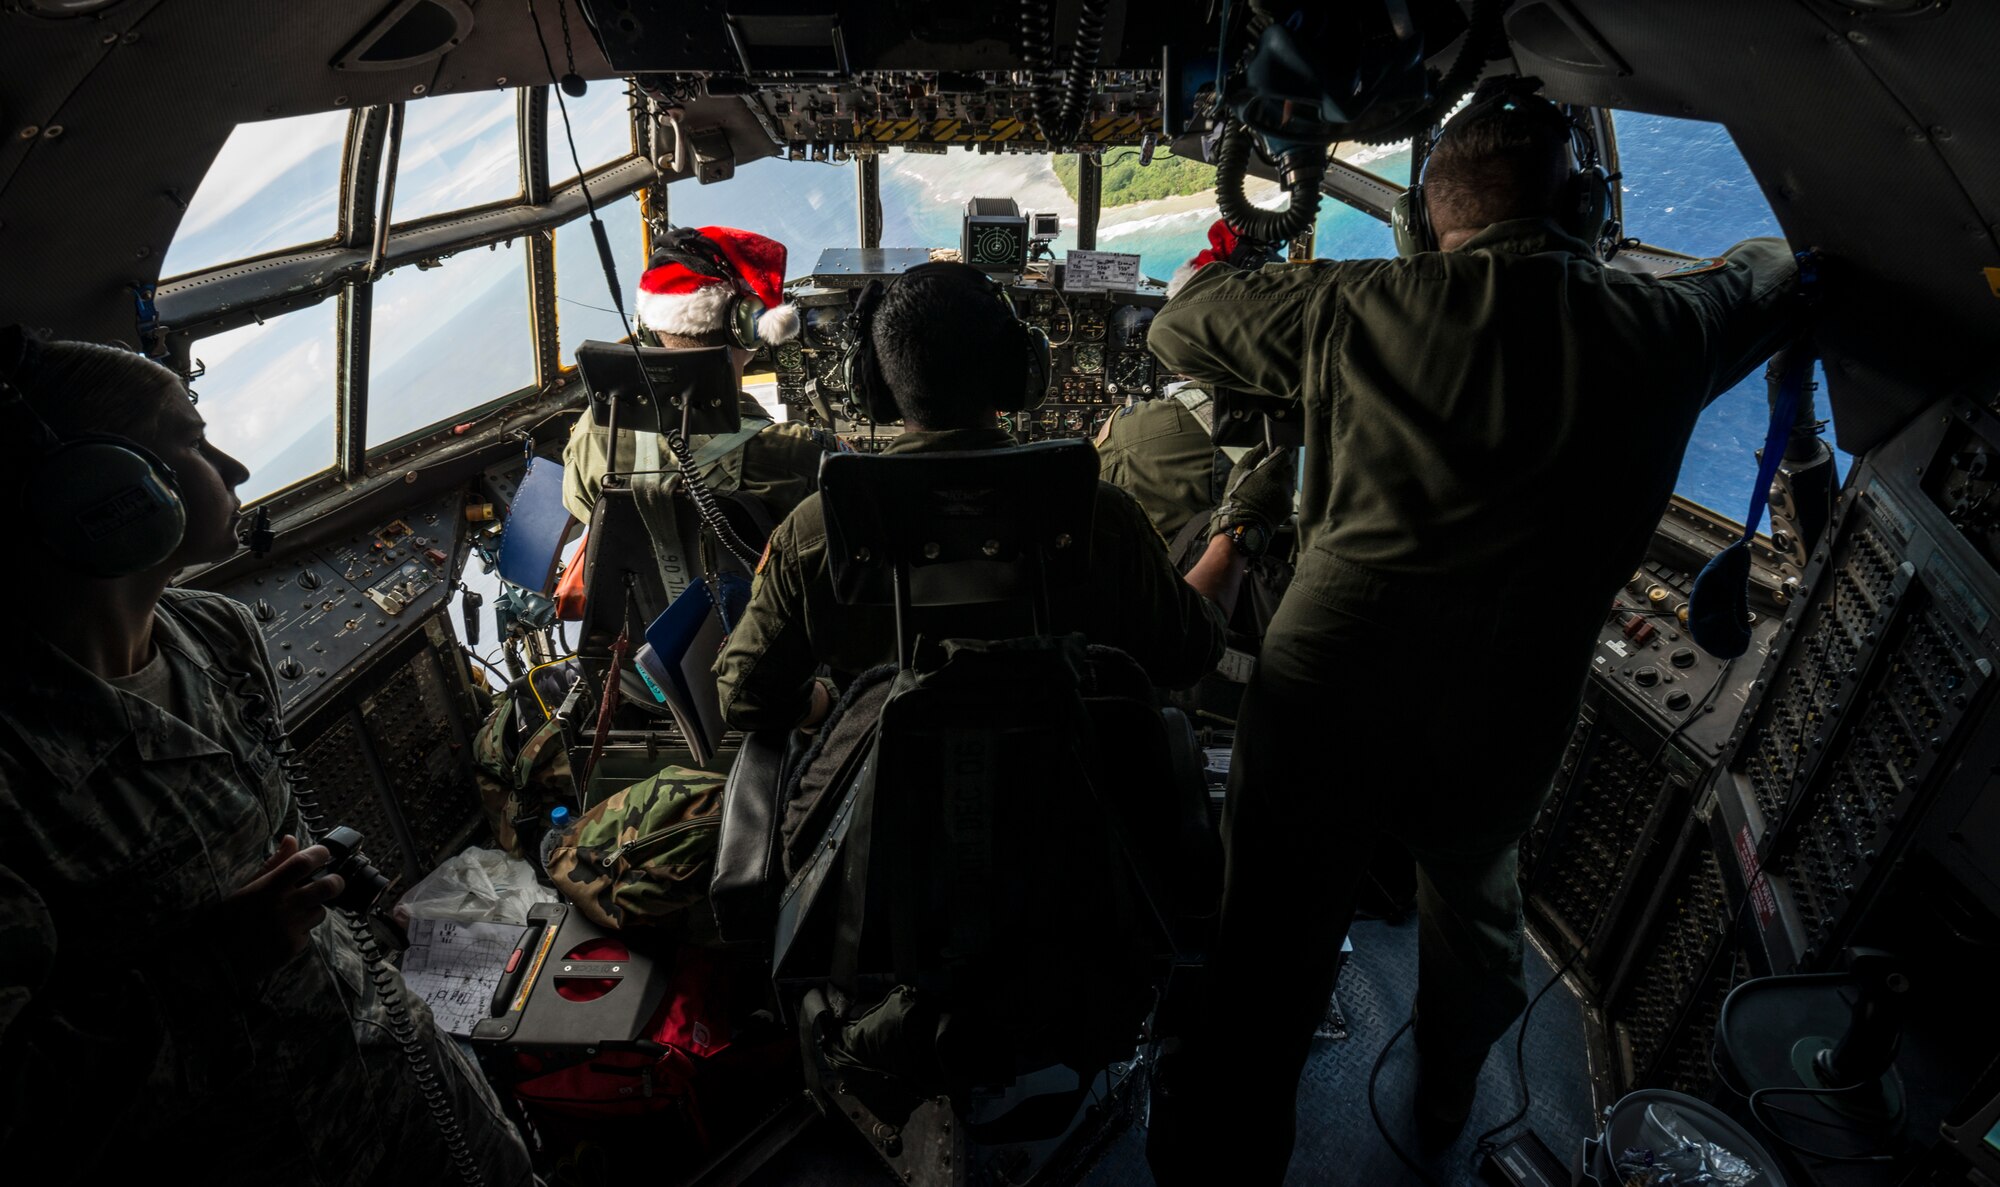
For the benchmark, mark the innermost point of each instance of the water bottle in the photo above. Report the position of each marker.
(559, 819)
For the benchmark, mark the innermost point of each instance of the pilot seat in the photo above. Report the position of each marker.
(975, 948)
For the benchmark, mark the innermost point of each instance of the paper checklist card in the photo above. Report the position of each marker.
(454, 967)
(1099, 271)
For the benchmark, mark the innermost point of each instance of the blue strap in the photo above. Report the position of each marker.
(1791, 385)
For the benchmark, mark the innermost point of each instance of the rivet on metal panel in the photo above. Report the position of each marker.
(1940, 132)
(340, 100)
(419, 89)
(30, 132)
(1857, 37)
(52, 131)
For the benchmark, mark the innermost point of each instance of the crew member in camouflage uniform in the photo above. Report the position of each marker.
(174, 996)
(1492, 433)
(683, 308)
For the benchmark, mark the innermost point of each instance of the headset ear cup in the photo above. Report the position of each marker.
(859, 367)
(1409, 218)
(743, 314)
(1583, 204)
(1036, 389)
(106, 506)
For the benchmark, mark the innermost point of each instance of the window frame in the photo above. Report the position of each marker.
(201, 304)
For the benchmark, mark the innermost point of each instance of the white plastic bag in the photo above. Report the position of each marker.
(478, 885)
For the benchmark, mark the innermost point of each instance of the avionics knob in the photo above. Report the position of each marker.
(1678, 700)
(291, 669)
(1646, 677)
(1658, 596)
(263, 611)
(308, 579)
(1683, 657)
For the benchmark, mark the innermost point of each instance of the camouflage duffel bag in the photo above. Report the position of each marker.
(519, 778)
(643, 857)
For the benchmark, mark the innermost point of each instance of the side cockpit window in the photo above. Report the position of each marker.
(1686, 188)
(266, 391)
(274, 185)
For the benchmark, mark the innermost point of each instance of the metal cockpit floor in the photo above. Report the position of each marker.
(1337, 1143)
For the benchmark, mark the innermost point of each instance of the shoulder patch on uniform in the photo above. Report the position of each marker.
(1697, 267)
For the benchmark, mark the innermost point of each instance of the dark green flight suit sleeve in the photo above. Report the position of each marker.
(1146, 609)
(1250, 331)
(764, 675)
(1747, 309)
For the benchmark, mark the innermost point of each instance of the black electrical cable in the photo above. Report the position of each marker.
(1757, 1097)
(262, 714)
(483, 662)
(704, 501)
(1484, 1144)
(1482, 39)
(1375, 1112)
(1082, 68)
(1038, 50)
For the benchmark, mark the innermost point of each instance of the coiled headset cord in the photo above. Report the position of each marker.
(262, 714)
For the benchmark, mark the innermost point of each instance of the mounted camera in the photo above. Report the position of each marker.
(365, 883)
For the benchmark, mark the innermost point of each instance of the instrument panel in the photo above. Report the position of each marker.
(322, 610)
(1098, 357)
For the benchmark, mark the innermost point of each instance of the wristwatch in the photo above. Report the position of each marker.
(1250, 539)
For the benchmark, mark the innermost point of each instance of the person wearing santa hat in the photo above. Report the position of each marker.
(714, 286)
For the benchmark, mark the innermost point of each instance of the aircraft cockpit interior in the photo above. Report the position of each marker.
(764, 592)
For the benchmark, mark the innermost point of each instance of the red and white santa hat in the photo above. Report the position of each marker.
(676, 299)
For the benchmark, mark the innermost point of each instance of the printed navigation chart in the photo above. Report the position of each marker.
(454, 967)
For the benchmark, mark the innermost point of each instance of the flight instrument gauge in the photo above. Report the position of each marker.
(1059, 326)
(827, 370)
(1090, 325)
(1089, 360)
(1130, 374)
(1128, 327)
(827, 329)
(789, 357)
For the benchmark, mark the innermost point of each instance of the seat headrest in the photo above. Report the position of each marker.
(971, 526)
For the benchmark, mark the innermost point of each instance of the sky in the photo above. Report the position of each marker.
(451, 338)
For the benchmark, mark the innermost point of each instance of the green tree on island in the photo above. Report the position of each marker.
(1127, 181)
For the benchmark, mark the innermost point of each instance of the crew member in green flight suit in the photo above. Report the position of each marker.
(687, 307)
(926, 327)
(1493, 427)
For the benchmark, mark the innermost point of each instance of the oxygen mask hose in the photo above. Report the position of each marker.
(1301, 168)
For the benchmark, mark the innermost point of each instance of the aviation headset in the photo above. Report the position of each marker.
(696, 252)
(100, 503)
(863, 372)
(1582, 203)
